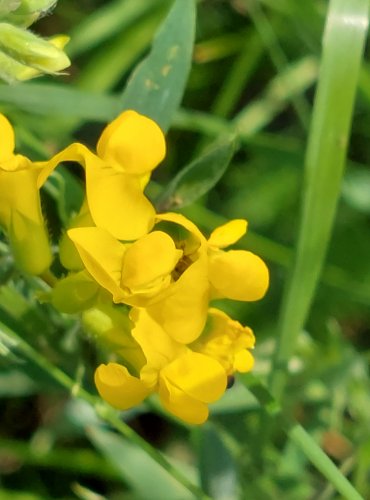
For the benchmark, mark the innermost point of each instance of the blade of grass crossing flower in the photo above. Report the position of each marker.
(344, 37)
(156, 86)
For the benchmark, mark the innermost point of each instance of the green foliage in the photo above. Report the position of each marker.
(252, 77)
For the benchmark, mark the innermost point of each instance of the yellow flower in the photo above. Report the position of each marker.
(173, 277)
(128, 150)
(185, 381)
(20, 209)
(227, 341)
(167, 275)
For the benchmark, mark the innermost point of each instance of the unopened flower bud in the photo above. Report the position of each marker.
(25, 55)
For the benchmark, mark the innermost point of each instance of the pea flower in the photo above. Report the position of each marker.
(129, 148)
(227, 341)
(185, 380)
(20, 209)
(173, 271)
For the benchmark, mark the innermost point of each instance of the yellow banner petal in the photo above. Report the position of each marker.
(117, 203)
(132, 143)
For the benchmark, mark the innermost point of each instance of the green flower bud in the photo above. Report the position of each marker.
(24, 55)
(30, 245)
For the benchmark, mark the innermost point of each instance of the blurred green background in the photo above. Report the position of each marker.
(255, 63)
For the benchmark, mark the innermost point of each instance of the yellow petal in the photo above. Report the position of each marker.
(18, 191)
(183, 312)
(75, 152)
(21, 217)
(116, 200)
(132, 143)
(102, 256)
(158, 347)
(182, 405)
(118, 387)
(244, 361)
(29, 243)
(199, 376)
(238, 275)
(7, 139)
(117, 203)
(181, 220)
(150, 258)
(228, 234)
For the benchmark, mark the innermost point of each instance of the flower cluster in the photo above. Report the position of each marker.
(143, 281)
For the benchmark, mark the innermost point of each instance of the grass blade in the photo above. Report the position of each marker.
(324, 163)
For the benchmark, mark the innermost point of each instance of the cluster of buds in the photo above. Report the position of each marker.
(24, 55)
(143, 281)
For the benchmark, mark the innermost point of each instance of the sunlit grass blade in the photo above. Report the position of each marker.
(325, 159)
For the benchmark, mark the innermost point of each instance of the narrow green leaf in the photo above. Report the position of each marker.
(157, 84)
(145, 476)
(197, 178)
(344, 39)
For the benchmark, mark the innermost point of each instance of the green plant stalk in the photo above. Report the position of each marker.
(324, 163)
(301, 438)
(101, 408)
